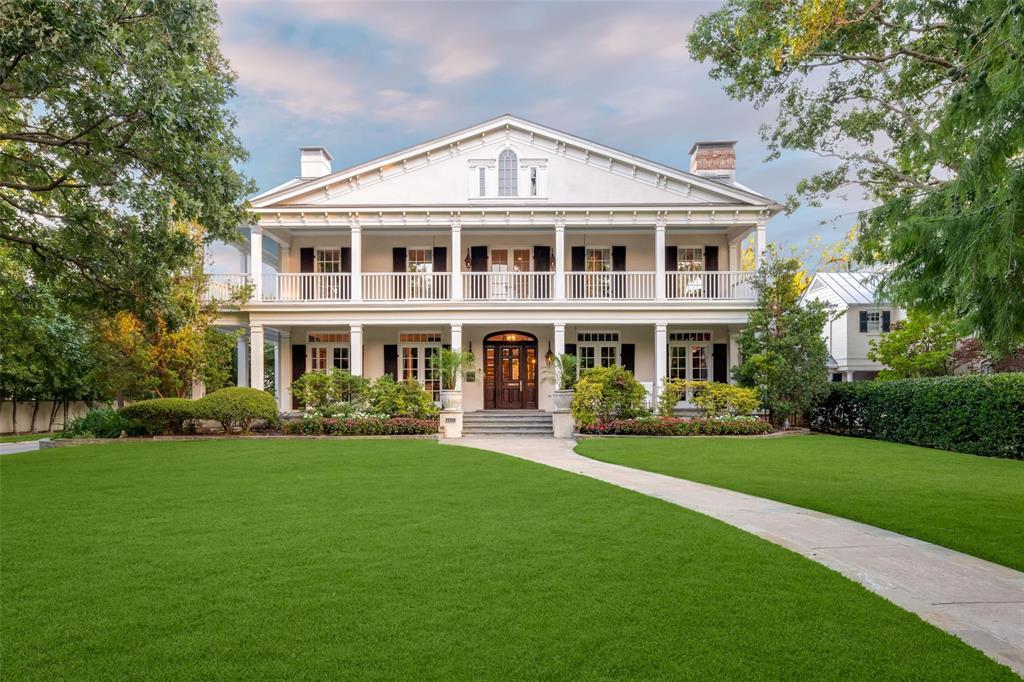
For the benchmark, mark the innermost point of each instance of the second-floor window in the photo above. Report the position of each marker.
(328, 260)
(874, 320)
(483, 181)
(508, 182)
(533, 181)
(420, 260)
(690, 259)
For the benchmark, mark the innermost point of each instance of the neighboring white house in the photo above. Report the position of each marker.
(509, 239)
(861, 318)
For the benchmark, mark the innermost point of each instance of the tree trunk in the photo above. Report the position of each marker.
(54, 409)
(67, 404)
(35, 413)
(14, 416)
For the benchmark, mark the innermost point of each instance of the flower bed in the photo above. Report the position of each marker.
(675, 426)
(363, 426)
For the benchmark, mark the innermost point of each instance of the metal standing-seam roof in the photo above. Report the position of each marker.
(852, 288)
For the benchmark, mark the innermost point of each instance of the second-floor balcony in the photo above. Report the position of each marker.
(498, 287)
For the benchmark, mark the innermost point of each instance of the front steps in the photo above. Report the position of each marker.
(531, 423)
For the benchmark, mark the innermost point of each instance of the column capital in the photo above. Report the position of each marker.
(660, 223)
(661, 326)
(456, 221)
(456, 326)
(256, 228)
(256, 327)
(559, 326)
(354, 224)
(356, 327)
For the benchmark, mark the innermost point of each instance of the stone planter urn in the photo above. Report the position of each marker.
(451, 400)
(563, 399)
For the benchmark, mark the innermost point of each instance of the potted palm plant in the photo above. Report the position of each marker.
(450, 365)
(566, 368)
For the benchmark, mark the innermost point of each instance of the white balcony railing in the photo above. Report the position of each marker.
(727, 286)
(620, 286)
(309, 286)
(508, 286)
(406, 286)
(225, 287)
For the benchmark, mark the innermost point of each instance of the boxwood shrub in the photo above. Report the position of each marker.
(364, 426)
(675, 426)
(979, 414)
(237, 406)
(103, 422)
(164, 416)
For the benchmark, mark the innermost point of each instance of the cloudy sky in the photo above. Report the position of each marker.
(365, 79)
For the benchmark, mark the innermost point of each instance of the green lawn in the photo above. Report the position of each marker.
(26, 436)
(965, 502)
(410, 560)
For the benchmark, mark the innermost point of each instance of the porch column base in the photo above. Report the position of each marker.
(562, 424)
(451, 423)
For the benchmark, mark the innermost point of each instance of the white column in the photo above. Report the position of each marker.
(242, 357)
(457, 346)
(734, 353)
(357, 261)
(256, 261)
(284, 396)
(285, 258)
(659, 260)
(198, 389)
(660, 358)
(559, 260)
(760, 241)
(559, 338)
(456, 260)
(355, 357)
(256, 349)
(849, 376)
(277, 366)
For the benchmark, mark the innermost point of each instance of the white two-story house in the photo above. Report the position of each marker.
(509, 239)
(860, 317)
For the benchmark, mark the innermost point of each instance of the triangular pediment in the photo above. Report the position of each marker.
(553, 168)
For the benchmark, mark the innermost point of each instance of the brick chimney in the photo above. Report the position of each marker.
(314, 162)
(714, 159)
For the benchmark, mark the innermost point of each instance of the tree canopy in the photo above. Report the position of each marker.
(920, 346)
(114, 132)
(920, 103)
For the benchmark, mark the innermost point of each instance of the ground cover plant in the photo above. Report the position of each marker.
(679, 426)
(971, 504)
(410, 560)
(21, 437)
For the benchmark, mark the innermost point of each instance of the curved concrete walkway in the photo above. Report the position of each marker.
(980, 602)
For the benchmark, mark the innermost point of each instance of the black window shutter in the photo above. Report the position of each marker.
(478, 258)
(863, 321)
(298, 367)
(579, 258)
(629, 357)
(570, 349)
(720, 362)
(440, 259)
(541, 258)
(671, 258)
(398, 259)
(306, 259)
(618, 258)
(346, 259)
(711, 258)
(886, 320)
(391, 360)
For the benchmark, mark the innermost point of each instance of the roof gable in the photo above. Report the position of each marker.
(848, 288)
(652, 182)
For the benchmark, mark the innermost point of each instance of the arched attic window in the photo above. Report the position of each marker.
(508, 173)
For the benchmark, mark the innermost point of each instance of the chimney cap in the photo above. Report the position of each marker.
(317, 148)
(712, 143)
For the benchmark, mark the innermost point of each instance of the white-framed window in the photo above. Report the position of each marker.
(483, 180)
(597, 349)
(328, 260)
(689, 355)
(326, 351)
(415, 353)
(533, 181)
(689, 259)
(874, 321)
(508, 174)
(419, 260)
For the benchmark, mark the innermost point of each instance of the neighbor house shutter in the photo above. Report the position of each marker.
(671, 265)
(298, 367)
(886, 320)
(391, 360)
(711, 265)
(628, 351)
(720, 362)
(618, 265)
(863, 321)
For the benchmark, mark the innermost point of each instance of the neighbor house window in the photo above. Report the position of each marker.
(508, 183)
(416, 351)
(597, 349)
(874, 320)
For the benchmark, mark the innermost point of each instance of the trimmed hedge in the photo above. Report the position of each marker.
(163, 416)
(978, 414)
(238, 406)
(103, 422)
(676, 426)
(366, 426)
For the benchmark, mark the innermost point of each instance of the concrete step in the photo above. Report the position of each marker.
(507, 434)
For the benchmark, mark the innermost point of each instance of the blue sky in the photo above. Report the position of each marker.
(365, 79)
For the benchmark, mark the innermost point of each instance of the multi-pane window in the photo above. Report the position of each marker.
(597, 349)
(688, 354)
(327, 351)
(690, 259)
(533, 181)
(508, 181)
(420, 260)
(328, 260)
(416, 353)
(874, 322)
(483, 180)
(598, 260)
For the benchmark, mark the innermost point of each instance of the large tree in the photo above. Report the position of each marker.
(921, 104)
(920, 346)
(783, 351)
(114, 130)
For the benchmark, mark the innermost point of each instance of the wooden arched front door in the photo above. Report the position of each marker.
(510, 371)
